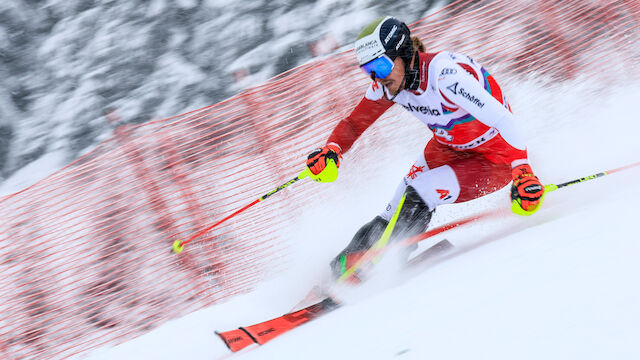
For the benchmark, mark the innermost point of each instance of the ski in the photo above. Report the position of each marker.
(436, 249)
(263, 332)
(266, 331)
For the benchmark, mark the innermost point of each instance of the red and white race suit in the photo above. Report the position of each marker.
(476, 140)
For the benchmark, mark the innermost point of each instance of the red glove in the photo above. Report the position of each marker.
(317, 160)
(526, 191)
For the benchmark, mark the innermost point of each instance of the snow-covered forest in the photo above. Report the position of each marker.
(64, 64)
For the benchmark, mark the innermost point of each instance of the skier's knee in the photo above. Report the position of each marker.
(414, 216)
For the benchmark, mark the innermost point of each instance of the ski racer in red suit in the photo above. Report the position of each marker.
(476, 148)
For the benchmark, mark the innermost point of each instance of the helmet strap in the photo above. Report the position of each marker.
(399, 88)
(412, 75)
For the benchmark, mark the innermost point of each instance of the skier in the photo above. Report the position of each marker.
(476, 148)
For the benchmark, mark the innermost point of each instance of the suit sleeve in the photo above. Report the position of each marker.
(364, 114)
(468, 93)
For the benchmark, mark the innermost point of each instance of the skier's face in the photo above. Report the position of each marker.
(394, 80)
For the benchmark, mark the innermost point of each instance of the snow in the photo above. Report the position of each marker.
(561, 284)
(32, 173)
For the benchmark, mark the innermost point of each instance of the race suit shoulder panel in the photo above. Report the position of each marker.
(470, 87)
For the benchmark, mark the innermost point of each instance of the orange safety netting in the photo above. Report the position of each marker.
(85, 255)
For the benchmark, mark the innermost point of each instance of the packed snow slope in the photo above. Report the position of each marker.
(561, 284)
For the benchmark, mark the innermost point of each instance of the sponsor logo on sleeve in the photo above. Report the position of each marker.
(448, 71)
(461, 91)
(453, 88)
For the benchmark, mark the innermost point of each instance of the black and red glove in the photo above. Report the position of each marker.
(526, 192)
(320, 166)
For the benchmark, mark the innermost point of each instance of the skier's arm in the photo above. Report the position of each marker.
(466, 92)
(344, 135)
(350, 128)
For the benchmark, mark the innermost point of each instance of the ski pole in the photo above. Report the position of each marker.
(553, 187)
(496, 212)
(372, 253)
(178, 245)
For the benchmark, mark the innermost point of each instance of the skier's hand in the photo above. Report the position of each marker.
(527, 193)
(323, 163)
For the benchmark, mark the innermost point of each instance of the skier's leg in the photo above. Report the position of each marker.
(364, 238)
(434, 187)
(476, 175)
(413, 217)
(367, 235)
(448, 177)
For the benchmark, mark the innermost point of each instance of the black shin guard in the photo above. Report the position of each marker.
(414, 216)
(413, 219)
(364, 238)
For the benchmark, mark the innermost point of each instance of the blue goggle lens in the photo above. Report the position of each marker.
(380, 67)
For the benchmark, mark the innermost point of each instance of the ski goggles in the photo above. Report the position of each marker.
(379, 67)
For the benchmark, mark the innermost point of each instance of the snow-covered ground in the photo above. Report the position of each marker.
(561, 284)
